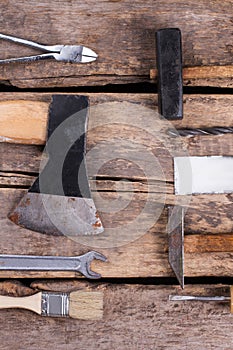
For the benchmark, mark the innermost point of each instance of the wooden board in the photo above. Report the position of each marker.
(135, 316)
(123, 35)
(143, 255)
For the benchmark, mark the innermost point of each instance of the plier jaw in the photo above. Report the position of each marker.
(75, 54)
(64, 53)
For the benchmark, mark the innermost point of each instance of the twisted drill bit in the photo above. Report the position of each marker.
(188, 132)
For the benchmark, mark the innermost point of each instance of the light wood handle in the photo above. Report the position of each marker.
(32, 302)
(231, 299)
(23, 121)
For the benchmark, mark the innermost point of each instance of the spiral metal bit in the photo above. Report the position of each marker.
(188, 132)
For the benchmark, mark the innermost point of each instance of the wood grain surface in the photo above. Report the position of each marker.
(130, 172)
(208, 220)
(135, 316)
(123, 35)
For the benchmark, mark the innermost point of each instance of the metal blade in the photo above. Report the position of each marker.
(203, 175)
(59, 201)
(176, 242)
(76, 54)
(197, 298)
(57, 215)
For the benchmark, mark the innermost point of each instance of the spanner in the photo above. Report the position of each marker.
(52, 263)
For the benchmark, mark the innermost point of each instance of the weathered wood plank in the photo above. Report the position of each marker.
(218, 76)
(203, 215)
(206, 214)
(142, 257)
(22, 181)
(135, 316)
(16, 180)
(24, 115)
(209, 243)
(15, 288)
(122, 33)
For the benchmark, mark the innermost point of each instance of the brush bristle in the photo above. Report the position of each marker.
(86, 305)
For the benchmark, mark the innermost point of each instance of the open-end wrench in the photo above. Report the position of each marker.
(52, 263)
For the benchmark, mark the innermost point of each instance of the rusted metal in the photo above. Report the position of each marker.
(14, 217)
(57, 215)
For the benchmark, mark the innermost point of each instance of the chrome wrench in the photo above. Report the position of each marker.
(52, 263)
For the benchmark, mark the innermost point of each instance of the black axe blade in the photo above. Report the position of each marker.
(59, 202)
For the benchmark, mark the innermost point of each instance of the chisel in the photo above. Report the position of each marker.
(194, 175)
(175, 229)
(205, 298)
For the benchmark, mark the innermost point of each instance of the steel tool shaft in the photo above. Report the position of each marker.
(52, 263)
(65, 53)
(197, 298)
(176, 241)
(188, 132)
(217, 298)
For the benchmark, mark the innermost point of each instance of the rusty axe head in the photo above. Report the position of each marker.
(59, 201)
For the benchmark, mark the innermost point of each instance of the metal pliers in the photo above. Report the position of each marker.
(65, 53)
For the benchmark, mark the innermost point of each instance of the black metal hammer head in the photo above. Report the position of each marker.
(169, 66)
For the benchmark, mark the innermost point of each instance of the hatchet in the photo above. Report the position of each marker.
(59, 201)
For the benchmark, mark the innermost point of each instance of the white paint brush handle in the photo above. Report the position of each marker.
(32, 302)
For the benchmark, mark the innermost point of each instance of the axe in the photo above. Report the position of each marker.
(59, 201)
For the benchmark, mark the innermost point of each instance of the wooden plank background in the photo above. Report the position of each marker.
(208, 216)
(135, 316)
(123, 35)
(122, 32)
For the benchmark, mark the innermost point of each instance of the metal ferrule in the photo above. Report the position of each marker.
(55, 304)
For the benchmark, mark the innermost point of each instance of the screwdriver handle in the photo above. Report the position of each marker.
(231, 302)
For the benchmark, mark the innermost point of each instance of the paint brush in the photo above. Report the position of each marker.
(79, 304)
